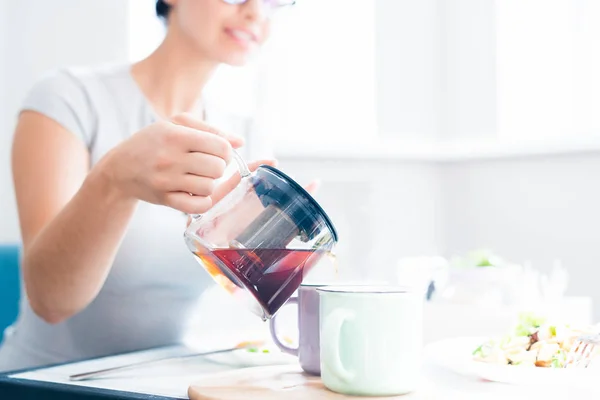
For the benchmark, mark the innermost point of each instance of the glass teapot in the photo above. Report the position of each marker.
(262, 239)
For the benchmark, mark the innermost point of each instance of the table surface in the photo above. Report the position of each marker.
(171, 380)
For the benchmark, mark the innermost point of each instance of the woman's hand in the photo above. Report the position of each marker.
(173, 163)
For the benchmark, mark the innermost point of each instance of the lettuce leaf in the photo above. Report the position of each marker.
(478, 351)
(528, 323)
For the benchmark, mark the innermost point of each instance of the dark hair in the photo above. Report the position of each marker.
(162, 9)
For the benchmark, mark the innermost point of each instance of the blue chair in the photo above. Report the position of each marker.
(9, 285)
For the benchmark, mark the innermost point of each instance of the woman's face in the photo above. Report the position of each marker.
(224, 33)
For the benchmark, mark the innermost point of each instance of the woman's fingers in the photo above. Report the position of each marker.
(203, 142)
(193, 184)
(190, 121)
(187, 203)
(203, 164)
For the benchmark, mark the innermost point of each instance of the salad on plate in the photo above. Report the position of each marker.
(534, 342)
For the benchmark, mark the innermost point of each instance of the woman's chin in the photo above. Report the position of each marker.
(237, 58)
(237, 61)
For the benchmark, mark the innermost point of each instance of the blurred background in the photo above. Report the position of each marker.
(436, 126)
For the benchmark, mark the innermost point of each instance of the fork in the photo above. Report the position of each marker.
(582, 352)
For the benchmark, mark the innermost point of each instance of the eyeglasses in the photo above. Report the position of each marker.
(272, 4)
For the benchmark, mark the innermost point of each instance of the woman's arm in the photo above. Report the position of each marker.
(71, 223)
(73, 219)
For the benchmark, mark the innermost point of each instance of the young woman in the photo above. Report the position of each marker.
(107, 162)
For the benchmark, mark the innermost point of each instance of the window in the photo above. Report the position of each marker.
(548, 67)
(319, 72)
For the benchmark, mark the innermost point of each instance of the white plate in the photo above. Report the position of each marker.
(456, 355)
(244, 358)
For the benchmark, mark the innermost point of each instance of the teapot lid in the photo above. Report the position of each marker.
(273, 187)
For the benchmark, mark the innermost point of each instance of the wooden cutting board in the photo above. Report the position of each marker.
(265, 383)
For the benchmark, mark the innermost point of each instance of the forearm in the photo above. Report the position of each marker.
(67, 263)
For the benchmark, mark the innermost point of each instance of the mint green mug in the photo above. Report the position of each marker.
(371, 339)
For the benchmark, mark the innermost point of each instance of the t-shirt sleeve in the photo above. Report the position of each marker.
(62, 97)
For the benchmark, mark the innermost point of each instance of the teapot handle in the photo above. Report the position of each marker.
(242, 166)
(244, 172)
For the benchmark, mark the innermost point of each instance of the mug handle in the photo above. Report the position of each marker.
(330, 343)
(283, 347)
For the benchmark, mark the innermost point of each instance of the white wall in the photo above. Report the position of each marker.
(468, 63)
(408, 68)
(538, 209)
(40, 35)
(436, 73)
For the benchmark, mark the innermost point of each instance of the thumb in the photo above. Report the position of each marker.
(313, 187)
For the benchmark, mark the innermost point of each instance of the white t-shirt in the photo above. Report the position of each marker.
(154, 282)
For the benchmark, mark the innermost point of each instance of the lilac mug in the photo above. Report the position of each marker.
(308, 350)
